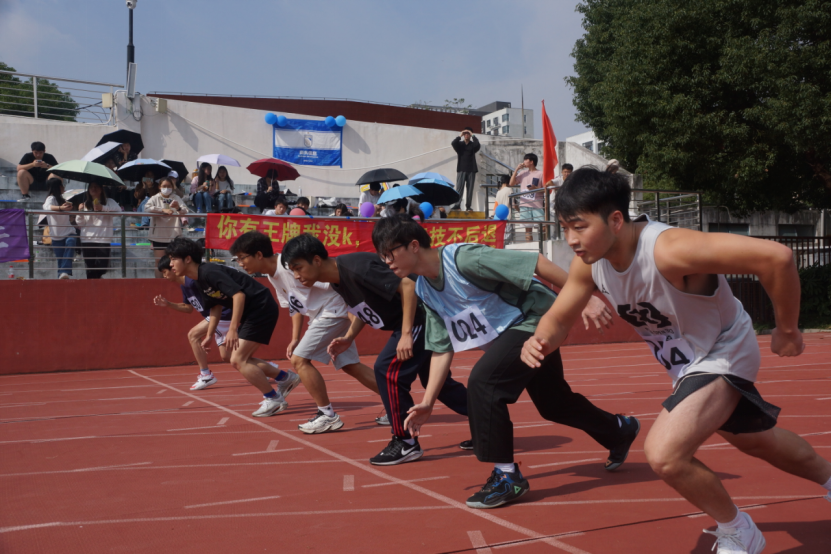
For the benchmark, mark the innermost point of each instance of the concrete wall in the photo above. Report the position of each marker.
(767, 223)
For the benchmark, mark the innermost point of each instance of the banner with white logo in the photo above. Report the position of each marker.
(306, 142)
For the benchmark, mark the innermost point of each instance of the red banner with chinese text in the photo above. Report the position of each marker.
(340, 235)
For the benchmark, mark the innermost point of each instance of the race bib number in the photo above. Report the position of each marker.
(367, 315)
(674, 354)
(195, 303)
(296, 305)
(469, 329)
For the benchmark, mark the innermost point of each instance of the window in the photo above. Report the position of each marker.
(788, 230)
(489, 123)
(732, 228)
(496, 121)
(504, 117)
(524, 118)
(589, 145)
(505, 129)
(525, 129)
(483, 127)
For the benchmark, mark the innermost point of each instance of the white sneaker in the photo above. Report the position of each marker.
(270, 407)
(65, 276)
(203, 383)
(288, 384)
(321, 423)
(748, 540)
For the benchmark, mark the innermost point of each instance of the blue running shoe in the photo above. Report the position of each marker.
(500, 489)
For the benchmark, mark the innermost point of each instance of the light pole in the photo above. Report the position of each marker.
(131, 50)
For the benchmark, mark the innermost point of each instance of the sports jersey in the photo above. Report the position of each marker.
(220, 283)
(191, 294)
(316, 301)
(370, 289)
(688, 333)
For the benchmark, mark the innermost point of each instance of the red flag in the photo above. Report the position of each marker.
(549, 148)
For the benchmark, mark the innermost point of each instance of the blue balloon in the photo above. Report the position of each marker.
(270, 118)
(329, 121)
(427, 208)
(282, 120)
(501, 212)
(340, 120)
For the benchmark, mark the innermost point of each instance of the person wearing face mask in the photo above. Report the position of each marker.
(96, 230)
(164, 229)
(201, 187)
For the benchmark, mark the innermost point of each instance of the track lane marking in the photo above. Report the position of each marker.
(231, 502)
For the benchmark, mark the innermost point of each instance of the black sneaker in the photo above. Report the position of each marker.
(466, 445)
(24, 198)
(398, 452)
(500, 489)
(631, 427)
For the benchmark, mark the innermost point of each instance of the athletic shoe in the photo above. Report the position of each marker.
(321, 423)
(270, 407)
(65, 276)
(383, 420)
(747, 540)
(398, 452)
(500, 489)
(631, 427)
(288, 384)
(466, 445)
(24, 198)
(203, 382)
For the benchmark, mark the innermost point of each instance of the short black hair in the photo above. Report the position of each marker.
(375, 186)
(303, 200)
(504, 179)
(468, 129)
(399, 229)
(181, 248)
(37, 145)
(164, 263)
(303, 247)
(252, 242)
(531, 156)
(281, 200)
(589, 190)
(568, 166)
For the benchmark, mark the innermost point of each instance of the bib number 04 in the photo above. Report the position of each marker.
(469, 329)
(674, 354)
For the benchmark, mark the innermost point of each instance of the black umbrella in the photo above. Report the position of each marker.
(180, 168)
(437, 192)
(386, 175)
(122, 136)
(135, 170)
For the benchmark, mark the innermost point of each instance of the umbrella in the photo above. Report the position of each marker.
(99, 154)
(285, 171)
(384, 186)
(387, 174)
(218, 159)
(430, 175)
(178, 167)
(135, 170)
(397, 193)
(122, 136)
(87, 172)
(437, 192)
(76, 196)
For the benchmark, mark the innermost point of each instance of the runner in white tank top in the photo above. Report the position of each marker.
(667, 284)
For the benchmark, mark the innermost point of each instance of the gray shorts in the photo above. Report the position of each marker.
(319, 335)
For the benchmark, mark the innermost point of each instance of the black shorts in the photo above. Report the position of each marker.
(752, 414)
(159, 245)
(259, 321)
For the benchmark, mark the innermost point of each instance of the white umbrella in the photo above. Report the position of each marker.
(218, 159)
(99, 153)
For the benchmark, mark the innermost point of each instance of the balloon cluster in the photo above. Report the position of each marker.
(281, 120)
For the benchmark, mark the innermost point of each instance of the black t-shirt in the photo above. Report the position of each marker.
(40, 174)
(220, 283)
(365, 279)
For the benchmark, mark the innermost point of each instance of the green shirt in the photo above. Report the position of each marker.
(488, 268)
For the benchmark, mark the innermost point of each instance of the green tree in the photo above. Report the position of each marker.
(17, 98)
(730, 97)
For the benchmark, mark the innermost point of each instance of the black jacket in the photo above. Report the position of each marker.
(467, 154)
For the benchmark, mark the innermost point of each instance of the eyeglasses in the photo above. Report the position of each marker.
(240, 258)
(389, 257)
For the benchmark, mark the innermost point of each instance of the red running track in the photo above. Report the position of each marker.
(131, 461)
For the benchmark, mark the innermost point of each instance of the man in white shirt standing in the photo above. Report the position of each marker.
(529, 178)
(328, 320)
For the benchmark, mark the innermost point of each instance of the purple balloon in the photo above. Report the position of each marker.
(367, 209)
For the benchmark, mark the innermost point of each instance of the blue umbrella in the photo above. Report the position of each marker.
(437, 191)
(429, 175)
(396, 193)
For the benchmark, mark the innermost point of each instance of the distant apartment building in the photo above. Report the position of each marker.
(588, 141)
(500, 119)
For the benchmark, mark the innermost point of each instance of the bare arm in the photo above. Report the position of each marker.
(216, 313)
(161, 301)
(551, 272)
(409, 303)
(339, 345)
(420, 413)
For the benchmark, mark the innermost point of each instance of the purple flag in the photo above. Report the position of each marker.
(14, 243)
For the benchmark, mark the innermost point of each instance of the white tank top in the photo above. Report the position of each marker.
(687, 333)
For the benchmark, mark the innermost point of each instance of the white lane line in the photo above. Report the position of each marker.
(361, 465)
(648, 500)
(124, 436)
(162, 391)
(215, 516)
(742, 508)
(83, 469)
(388, 440)
(223, 421)
(349, 482)
(409, 481)
(59, 440)
(566, 463)
(230, 502)
(272, 446)
(829, 398)
(535, 425)
(188, 403)
(267, 451)
(479, 543)
(182, 466)
(192, 428)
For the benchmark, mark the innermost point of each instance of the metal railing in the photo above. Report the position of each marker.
(55, 98)
(679, 208)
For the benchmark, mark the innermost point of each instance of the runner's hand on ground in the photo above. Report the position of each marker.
(404, 351)
(534, 351)
(598, 312)
(786, 344)
(418, 416)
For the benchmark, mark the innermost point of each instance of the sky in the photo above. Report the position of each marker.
(397, 52)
